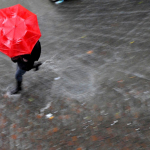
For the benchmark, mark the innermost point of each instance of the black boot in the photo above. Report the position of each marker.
(17, 89)
(36, 66)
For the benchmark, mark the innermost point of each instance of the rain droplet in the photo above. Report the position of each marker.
(114, 122)
(137, 129)
(90, 121)
(73, 129)
(57, 78)
(55, 112)
(128, 124)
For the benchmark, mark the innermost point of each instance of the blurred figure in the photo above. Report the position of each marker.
(60, 1)
(26, 63)
(57, 1)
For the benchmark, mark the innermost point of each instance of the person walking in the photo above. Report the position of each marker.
(19, 40)
(26, 63)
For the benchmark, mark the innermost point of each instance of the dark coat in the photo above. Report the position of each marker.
(31, 58)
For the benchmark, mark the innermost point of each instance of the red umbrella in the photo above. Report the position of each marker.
(19, 30)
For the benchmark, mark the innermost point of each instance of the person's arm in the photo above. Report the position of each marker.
(25, 60)
(15, 59)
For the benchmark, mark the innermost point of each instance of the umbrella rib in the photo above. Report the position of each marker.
(20, 23)
(34, 32)
(3, 14)
(15, 23)
(4, 49)
(16, 18)
(31, 15)
(9, 31)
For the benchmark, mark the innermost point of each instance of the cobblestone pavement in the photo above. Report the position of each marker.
(93, 90)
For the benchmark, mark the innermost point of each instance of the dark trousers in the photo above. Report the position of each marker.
(19, 74)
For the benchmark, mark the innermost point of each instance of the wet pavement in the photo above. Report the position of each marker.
(93, 90)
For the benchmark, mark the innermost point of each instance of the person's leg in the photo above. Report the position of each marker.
(18, 76)
(36, 66)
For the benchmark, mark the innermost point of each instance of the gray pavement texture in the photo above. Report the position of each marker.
(93, 90)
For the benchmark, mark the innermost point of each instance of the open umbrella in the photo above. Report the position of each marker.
(19, 31)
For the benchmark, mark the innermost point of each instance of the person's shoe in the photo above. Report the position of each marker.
(36, 66)
(17, 89)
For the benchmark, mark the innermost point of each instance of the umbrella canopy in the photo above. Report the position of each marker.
(19, 31)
